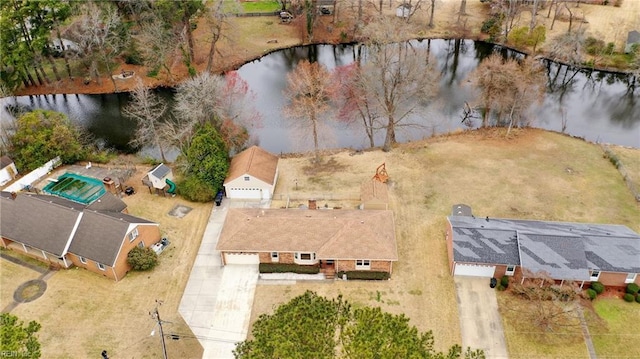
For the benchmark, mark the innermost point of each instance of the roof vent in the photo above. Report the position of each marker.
(487, 218)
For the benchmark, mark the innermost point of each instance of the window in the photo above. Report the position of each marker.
(133, 235)
(631, 277)
(100, 266)
(595, 274)
(510, 270)
(246, 178)
(275, 257)
(363, 264)
(83, 260)
(304, 258)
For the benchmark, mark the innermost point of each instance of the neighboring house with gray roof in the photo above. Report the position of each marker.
(581, 252)
(64, 233)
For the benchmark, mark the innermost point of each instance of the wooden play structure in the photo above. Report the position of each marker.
(381, 174)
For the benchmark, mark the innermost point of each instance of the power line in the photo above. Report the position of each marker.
(156, 315)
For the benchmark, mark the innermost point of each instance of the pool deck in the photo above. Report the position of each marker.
(95, 171)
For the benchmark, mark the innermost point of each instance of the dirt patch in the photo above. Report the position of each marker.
(179, 211)
(30, 291)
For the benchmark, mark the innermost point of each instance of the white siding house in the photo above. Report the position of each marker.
(252, 175)
(8, 170)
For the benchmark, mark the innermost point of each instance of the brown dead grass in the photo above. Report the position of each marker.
(82, 313)
(631, 160)
(534, 175)
(13, 275)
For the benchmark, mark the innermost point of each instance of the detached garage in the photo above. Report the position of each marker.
(252, 175)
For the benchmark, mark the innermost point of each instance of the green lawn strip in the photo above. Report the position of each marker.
(261, 6)
(524, 340)
(615, 328)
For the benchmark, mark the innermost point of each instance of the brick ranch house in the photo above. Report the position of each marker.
(565, 251)
(334, 240)
(64, 233)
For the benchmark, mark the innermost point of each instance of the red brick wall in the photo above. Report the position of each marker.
(615, 279)
(449, 239)
(285, 257)
(350, 265)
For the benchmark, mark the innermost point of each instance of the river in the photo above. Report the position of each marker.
(595, 105)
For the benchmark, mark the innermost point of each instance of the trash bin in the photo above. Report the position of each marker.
(493, 283)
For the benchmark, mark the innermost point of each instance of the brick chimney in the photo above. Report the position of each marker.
(312, 204)
(14, 195)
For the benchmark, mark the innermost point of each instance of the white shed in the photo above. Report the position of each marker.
(252, 174)
(403, 10)
(159, 175)
(8, 170)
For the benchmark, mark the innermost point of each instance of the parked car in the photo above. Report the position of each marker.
(325, 10)
(219, 196)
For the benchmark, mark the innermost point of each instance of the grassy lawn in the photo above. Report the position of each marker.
(524, 340)
(261, 6)
(615, 328)
(12, 276)
(533, 175)
(631, 161)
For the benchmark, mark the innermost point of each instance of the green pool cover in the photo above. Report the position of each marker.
(76, 188)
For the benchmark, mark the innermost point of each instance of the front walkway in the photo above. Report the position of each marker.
(217, 301)
(480, 321)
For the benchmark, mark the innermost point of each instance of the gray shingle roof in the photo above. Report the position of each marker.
(565, 250)
(108, 202)
(558, 256)
(37, 222)
(160, 171)
(5, 161)
(100, 235)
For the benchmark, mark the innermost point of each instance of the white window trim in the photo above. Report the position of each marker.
(83, 260)
(363, 264)
(510, 272)
(632, 279)
(275, 257)
(298, 255)
(133, 234)
(100, 266)
(591, 277)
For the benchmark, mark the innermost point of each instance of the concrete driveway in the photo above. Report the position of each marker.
(480, 321)
(217, 301)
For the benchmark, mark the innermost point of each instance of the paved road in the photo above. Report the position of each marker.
(480, 321)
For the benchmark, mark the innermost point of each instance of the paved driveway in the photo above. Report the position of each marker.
(480, 321)
(217, 301)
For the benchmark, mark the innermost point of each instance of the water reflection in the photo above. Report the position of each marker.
(598, 106)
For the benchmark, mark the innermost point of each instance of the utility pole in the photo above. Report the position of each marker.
(156, 316)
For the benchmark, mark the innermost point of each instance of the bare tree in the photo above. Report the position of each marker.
(308, 95)
(97, 34)
(568, 47)
(158, 43)
(534, 13)
(398, 77)
(508, 89)
(147, 110)
(216, 17)
(432, 9)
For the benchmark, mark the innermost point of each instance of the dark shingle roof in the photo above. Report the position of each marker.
(108, 202)
(563, 249)
(37, 222)
(160, 171)
(100, 235)
(5, 161)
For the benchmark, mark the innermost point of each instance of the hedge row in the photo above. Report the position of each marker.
(364, 275)
(287, 268)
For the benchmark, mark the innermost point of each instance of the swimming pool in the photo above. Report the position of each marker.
(76, 188)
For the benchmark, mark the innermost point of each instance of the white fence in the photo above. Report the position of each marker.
(33, 176)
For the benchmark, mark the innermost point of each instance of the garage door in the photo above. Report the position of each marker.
(241, 258)
(472, 270)
(244, 193)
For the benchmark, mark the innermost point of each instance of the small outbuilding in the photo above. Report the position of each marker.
(374, 195)
(253, 174)
(159, 178)
(403, 10)
(633, 38)
(8, 170)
